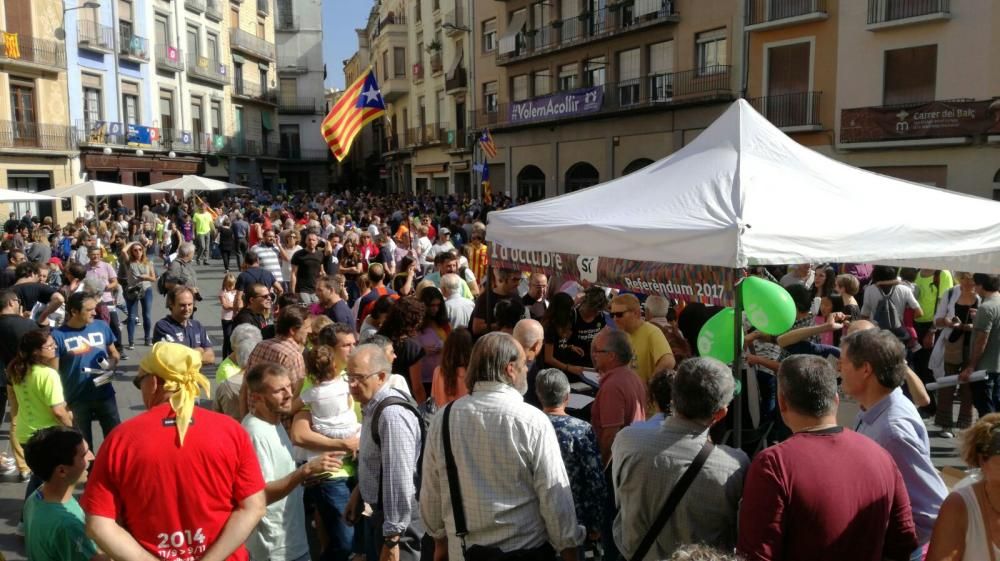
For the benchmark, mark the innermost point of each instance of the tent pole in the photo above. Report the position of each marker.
(738, 363)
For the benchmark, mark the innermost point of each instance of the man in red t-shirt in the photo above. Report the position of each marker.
(826, 493)
(179, 482)
(621, 399)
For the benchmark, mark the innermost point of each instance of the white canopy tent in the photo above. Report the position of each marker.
(99, 189)
(190, 183)
(12, 196)
(743, 193)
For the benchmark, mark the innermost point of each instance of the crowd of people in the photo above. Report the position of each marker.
(382, 393)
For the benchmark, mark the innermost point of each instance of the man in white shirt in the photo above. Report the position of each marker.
(443, 243)
(424, 249)
(281, 534)
(459, 308)
(515, 490)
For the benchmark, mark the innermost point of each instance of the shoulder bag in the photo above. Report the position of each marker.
(544, 552)
(673, 499)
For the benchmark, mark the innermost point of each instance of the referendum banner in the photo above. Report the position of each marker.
(688, 283)
(557, 106)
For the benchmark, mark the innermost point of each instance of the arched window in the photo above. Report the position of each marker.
(636, 165)
(581, 175)
(531, 183)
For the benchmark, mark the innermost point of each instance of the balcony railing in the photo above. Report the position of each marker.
(213, 10)
(768, 11)
(454, 20)
(293, 63)
(589, 26)
(457, 82)
(427, 135)
(462, 140)
(169, 58)
(133, 47)
(36, 136)
(300, 105)
(95, 36)
(390, 19)
(208, 70)
(286, 23)
(32, 50)
(790, 110)
(252, 90)
(885, 11)
(195, 5)
(656, 90)
(241, 146)
(251, 44)
(307, 154)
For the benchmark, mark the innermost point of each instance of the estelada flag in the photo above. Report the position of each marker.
(361, 104)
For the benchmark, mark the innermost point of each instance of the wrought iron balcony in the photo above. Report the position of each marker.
(95, 36)
(458, 82)
(667, 90)
(888, 13)
(250, 44)
(790, 111)
(427, 135)
(286, 23)
(36, 136)
(253, 91)
(213, 10)
(771, 14)
(298, 105)
(133, 47)
(304, 154)
(207, 70)
(195, 5)
(589, 26)
(169, 58)
(25, 50)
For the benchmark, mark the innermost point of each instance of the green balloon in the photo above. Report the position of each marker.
(768, 305)
(716, 337)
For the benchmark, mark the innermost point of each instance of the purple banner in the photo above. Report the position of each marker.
(557, 106)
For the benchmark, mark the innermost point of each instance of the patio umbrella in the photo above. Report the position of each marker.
(191, 183)
(11, 196)
(99, 189)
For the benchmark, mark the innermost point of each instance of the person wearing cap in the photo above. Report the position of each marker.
(443, 243)
(447, 263)
(177, 476)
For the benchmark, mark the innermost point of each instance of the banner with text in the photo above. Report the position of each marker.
(689, 283)
(557, 106)
(936, 119)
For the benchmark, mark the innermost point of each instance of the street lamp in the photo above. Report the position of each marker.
(451, 26)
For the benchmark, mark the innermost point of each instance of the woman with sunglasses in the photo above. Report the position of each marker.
(140, 277)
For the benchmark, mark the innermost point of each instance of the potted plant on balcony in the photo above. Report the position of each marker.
(434, 47)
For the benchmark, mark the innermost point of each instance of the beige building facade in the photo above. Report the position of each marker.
(37, 143)
(586, 91)
(917, 89)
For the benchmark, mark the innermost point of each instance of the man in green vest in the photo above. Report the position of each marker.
(203, 227)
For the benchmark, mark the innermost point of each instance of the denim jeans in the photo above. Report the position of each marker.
(202, 247)
(147, 323)
(104, 411)
(330, 498)
(986, 394)
(115, 323)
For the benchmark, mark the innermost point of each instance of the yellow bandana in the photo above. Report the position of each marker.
(180, 368)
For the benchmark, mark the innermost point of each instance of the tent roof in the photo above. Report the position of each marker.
(743, 193)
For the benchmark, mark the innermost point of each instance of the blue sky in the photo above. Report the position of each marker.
(340, 19)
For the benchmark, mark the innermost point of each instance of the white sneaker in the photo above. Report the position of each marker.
(19, 531)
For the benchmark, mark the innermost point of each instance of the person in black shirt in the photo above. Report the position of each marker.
(254, 275)
(9, 276)
(307, 267)
(256, 305)
(31, 290)
(483, 315)
(13, 326)
(227, 243)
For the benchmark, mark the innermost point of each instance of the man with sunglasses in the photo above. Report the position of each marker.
(254, 274)
(651, 351)
(256, 307)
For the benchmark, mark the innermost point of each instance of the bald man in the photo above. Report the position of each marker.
(530, 334)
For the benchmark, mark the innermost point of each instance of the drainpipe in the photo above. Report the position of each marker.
(745, 70)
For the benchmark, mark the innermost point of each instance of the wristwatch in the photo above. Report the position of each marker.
(391, 541)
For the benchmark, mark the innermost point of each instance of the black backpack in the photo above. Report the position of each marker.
(401, 400)
(885, 315)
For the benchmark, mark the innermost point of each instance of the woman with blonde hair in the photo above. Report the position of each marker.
(968, 524)
(140, 277)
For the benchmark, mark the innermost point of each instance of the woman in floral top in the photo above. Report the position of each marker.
(578, 445)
